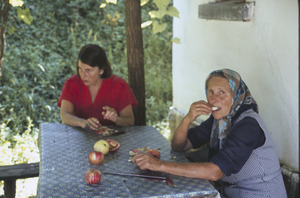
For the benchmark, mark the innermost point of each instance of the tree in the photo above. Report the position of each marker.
(23, 14)
(135, 57)
(4, 6)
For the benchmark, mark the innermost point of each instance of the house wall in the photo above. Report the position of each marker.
(265, 53)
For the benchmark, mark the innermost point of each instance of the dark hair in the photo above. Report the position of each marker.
(95, 56)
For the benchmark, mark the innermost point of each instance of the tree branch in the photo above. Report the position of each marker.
(4, 18)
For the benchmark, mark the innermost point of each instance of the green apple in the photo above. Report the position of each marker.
(102, 146)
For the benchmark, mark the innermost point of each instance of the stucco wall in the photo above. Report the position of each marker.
(264, 51)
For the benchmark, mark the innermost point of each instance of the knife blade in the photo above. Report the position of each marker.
(141, 175)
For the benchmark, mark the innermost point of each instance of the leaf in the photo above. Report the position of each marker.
(11, 30)
(112, 1)
(157, 14)
(103, 5)
(176, 40)
(144, 2)
(161, 3)
(16, 3)
(25, 15)
(172, 12)
(145, 24)
(158, 27)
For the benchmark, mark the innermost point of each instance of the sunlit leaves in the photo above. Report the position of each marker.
(172, 12)
(11, 30)
(158, 27)
(112, 1)
(146, 24)
(176, 40)
(16, 3)
(158, 14)
(163, 9)
(103, 5)
(161, 3)
(144, 2)
(25, 15)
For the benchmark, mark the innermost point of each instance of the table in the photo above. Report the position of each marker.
(64, 161)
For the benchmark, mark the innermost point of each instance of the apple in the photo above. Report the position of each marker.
(154, 153)
(101, 146)
(96, 157)
(113, 145)
(92, 176)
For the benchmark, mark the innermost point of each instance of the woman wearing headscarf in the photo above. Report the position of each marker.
(242, 158)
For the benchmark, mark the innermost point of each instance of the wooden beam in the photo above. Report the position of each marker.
(19, 171)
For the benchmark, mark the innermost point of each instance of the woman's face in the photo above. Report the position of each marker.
(88, 74)
(219, 95)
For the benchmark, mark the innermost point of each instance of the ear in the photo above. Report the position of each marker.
(101, 71)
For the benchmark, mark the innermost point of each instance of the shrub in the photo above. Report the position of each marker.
(41, 56)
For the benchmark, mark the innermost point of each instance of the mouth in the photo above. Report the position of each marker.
(215, 108)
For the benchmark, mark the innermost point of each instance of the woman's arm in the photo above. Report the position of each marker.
(179, 140)
(204, 170)
(125, 118)
(67, 116)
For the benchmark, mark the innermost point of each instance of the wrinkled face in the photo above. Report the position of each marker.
(88, 74)
(219, 95)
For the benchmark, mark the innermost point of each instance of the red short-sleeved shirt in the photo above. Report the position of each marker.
(114, 92)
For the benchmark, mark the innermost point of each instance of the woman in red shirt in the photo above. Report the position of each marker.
(94, 97)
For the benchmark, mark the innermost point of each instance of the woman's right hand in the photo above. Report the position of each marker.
(92, 123)
(197, 109)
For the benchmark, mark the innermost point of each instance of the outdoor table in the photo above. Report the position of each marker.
(64, 161)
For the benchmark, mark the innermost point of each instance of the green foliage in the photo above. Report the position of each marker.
(41, 56)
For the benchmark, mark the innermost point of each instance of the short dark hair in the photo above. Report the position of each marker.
(95, 56)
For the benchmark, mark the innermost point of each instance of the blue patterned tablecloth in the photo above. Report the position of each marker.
(64, 161)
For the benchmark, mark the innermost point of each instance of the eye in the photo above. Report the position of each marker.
(210, 92)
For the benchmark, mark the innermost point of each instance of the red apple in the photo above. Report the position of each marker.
(92, 176)
(96, 157)
(154, 153)
(113, 145)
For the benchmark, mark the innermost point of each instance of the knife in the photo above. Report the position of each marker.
(141, 175)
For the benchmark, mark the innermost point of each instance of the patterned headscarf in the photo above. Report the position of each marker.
(240, 95)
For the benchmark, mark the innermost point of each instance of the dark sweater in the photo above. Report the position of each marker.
(244, 137)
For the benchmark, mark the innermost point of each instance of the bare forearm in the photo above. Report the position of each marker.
(124, 121)
(179, 139)
(207, 170)
(72, 120)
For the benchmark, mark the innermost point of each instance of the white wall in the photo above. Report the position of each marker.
(265, 53)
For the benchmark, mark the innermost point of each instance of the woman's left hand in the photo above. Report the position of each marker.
(147, 162)
(109, 113)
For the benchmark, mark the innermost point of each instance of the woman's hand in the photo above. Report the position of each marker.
(146, 161)
(110, 113)
(179, 141)
(92, 123)
(197, 109)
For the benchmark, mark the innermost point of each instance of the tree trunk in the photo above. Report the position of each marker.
(4, 5)
(135, 57)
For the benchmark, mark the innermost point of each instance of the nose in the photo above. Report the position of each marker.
(83, 74)
(213, 98)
